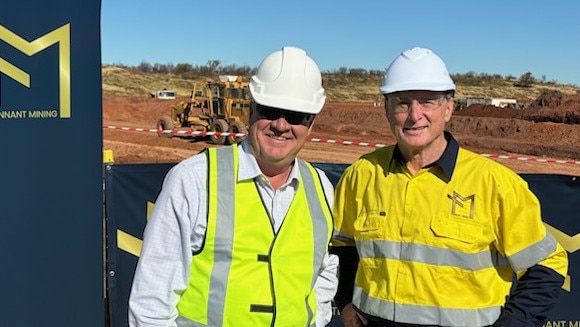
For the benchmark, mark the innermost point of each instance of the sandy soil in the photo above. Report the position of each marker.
(549, 130)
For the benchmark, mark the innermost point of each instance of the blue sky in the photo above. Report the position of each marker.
(494, 37)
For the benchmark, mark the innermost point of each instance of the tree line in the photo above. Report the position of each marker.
(214, 67)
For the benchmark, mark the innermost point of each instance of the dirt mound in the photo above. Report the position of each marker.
(553, 106)
(549, 99)
(549, 126)
(351, 119)
(550, 106)
(483, 110)
(136, 111)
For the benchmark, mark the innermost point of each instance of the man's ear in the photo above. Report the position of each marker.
(252, 112)
(311, 124)
(449, 109)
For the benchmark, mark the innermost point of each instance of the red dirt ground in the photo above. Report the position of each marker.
(547, 129)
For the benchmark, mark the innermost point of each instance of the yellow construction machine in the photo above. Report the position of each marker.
(214, 106)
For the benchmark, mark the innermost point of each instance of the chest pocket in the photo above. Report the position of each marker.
(370, 226)
(460, 233)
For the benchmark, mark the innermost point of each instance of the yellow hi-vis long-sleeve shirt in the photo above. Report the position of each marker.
(439, 247)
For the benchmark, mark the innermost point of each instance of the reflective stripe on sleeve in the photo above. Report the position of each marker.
(531, 255)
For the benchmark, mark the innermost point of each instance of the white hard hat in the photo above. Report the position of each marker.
(417, 69)
(289, 79)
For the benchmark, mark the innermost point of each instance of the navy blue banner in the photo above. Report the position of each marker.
(130, 192)
(51, 164)
(559, 196)
(132, 189)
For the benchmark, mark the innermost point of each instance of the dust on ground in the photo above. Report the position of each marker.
(548, 128)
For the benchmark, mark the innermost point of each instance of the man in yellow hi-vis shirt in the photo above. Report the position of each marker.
(431, 234)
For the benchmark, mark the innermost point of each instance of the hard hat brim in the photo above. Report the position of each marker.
(387, 89)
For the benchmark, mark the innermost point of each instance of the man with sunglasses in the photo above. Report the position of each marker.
(430, 234)
(240, 234)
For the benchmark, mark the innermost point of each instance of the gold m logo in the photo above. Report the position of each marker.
(462, 206)
(61, 36)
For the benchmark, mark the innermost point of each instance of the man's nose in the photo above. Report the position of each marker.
(280, 124)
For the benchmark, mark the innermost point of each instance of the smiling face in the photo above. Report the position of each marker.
(276, 136)
(417, 120)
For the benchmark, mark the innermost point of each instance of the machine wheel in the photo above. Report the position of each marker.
(219, 125)
(237, 128)
(165, 123)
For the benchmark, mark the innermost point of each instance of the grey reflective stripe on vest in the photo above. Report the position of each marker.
(225, 220)
(407, 313)
(319, 222)
(430, 255)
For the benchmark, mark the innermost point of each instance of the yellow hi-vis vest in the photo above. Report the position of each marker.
(246, 275)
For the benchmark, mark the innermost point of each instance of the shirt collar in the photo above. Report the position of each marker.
(449, 157)
(446, 161)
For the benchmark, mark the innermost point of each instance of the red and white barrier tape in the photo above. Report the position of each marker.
(546, 160)
(341, 142)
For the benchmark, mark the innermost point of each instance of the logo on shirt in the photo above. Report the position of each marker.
(462, 206)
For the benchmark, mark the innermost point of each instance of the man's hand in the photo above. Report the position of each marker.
(351, 318)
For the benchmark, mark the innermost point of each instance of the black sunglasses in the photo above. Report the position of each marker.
(292, 117)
